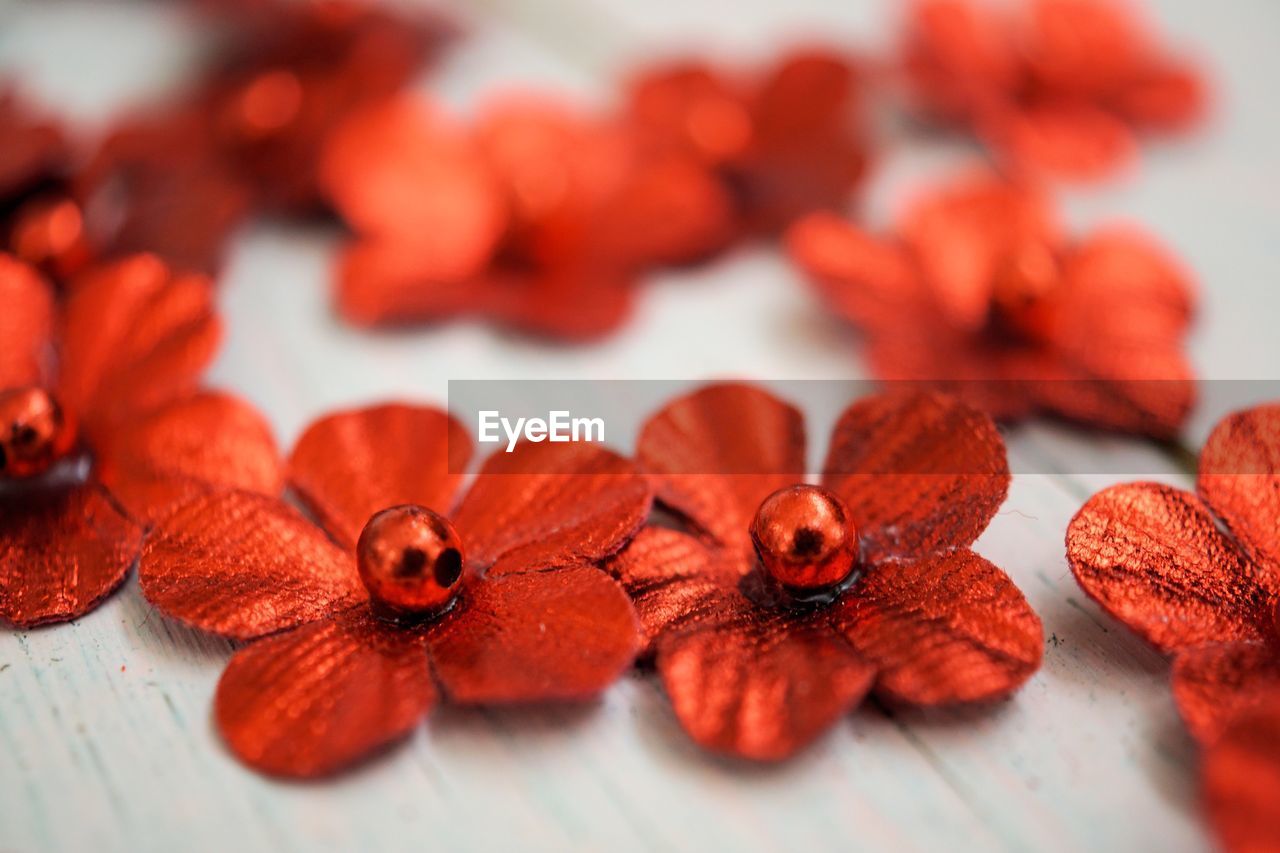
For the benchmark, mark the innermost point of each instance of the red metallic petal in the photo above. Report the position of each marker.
(316, 699)
(1074, 140)
(349, 465)
(921, 473)
(400, 171)
(1153, 558)
(718, 452)
(946, 629)
(391, 282)
(673, 580)
(535, 636)
(571, 302)
(1240, 480)
(1167, 95)
(243, 565)
(1086, 47)
(762, 685)
(864, 279)
(26, 325)
(1215, 684)
(546, 505)
(61, 553)
(1240, 777)
(207, 440)
(134, 336)
(962, 235)
(691, 106)
(959, 56)
(31, 147)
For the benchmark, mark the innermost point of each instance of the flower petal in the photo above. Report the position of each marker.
(207, 440)
(571, 302)
(390, 282)
(946, 629)
(1215, 684)
(718, 452)
(1152, 557)
(134, 336)
(61, 553)
(761, 685)
(1168, 95)
(672, 579)
(400, 170)
(862, 278)
(26, 325)
(545, 505)
(349, 465)
(316, 699)
(1240, 480)
(1073, 140)
(1240, 777)
(533, 636)
(921, 472)
(243, 565)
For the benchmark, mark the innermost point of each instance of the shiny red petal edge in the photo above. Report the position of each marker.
(1152, 556)
(61, 553)
(547, 505)
(761, 686)
(1239, 779)
(205, 441)
(318, 698)
(564, 634)
(920, 472)
(26, 325)
(1240, 479)
(942, 630)
(719, 451)
(349, 465)
(1215, 684)
(243, 565)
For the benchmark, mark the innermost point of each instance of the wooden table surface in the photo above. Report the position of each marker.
(105, 734)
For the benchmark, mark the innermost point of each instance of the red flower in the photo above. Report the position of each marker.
(295, 71)
(1240, 777)
(1060, 86)
(130, 343)
(980, 292)
(500, 602)
(538, 217)
(789, 603)
(1154, 557)
(782, 143)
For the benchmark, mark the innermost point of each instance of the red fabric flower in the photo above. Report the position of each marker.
(1155, 558)
(788, 604)
(981, 293)
(1240, 778)
(128, 346)
(782, 143)
(292, 73)
(1058, 86)
(399, 606)
(538, 217)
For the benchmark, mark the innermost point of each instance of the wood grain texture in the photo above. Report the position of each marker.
(105, 734)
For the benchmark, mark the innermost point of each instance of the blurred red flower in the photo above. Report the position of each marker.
(980, 293)
(784, 142)
(1059, 86)
(786, 604)
(1156, 558)
(1240, 777)
(499, 602)
(107, 376)
(538, 217)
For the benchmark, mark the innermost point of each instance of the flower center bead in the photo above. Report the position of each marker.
(34, 432)
(1023, 283)
(410, 559)
(805, 537)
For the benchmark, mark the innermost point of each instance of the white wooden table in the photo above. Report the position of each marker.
(105, 734)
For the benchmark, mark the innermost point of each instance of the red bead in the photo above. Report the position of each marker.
(805, 537)
(34, 432)
(410, 559)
